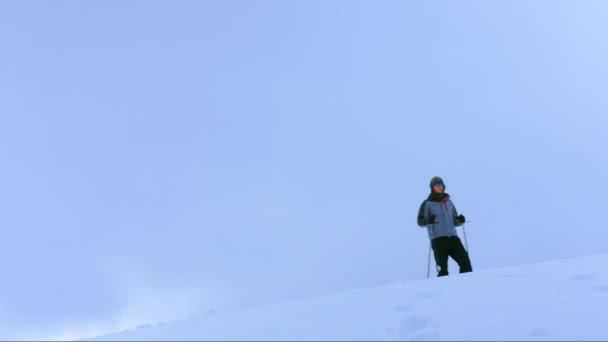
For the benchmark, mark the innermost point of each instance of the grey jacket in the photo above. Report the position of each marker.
(445, 221)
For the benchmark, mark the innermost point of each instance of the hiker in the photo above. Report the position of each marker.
(438, 214)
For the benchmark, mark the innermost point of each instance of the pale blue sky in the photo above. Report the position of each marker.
(155, 150)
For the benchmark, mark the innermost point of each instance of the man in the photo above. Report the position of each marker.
(438, 214)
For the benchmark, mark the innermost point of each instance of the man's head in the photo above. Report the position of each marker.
(437, 185)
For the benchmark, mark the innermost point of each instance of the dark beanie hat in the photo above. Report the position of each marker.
(436, 180)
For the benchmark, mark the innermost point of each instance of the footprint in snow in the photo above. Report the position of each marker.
(427, 295)
(539, 332)
(403, 308)
(601, 289)
(515, 276)
(417, 328)
(582, 277)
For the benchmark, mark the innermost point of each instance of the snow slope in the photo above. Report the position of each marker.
(558, 300)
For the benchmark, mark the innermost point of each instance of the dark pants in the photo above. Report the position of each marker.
(450, 246)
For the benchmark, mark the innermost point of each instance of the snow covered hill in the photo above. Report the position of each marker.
(558, 300)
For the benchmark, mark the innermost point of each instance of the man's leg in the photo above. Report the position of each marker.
(440, 248)
(459, 254)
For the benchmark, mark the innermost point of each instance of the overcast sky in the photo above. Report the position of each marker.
(164, 158)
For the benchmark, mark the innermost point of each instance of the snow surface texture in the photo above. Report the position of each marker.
(161, 159)
(558, 300)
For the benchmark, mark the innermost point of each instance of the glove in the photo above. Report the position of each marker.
(432, 219)
(461, 218)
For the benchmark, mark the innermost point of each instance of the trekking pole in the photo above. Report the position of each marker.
(428, 268)
(464, 232)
